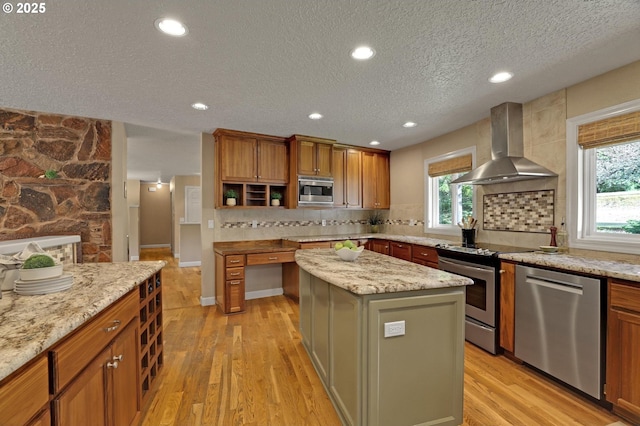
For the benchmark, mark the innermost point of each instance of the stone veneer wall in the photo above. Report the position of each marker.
(75, 203)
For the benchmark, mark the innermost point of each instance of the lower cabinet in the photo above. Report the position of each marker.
(373, 380)
(401, 250)
(96, 372)
(507, 305)
(230, 287)
(15, 408)
(379, 246)
(423, 255)
(623, 349)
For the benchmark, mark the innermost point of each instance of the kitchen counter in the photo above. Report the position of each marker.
(374, 273)
(568, 262)
(251, 247)
(431, 242)
(31, 324)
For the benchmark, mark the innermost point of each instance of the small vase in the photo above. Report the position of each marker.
(231, 201)
(275, 202)
(375, 229)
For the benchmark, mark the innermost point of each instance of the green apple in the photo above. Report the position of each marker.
(348, 244)
(338, 246)
(354, 248)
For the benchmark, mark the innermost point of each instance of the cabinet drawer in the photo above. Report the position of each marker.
(428, 254)
(625, 296)
(77, 350)
(25, 394)
(234, 273)
(276, 257)
(234, 260)
(401, 250)
(318, 244)
(424, 262)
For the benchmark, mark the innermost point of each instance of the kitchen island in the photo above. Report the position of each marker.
(386, 337)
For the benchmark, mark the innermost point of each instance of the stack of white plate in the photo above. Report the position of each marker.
(43, 286)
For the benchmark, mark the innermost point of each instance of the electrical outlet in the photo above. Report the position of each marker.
(324, 222)
(412, 222)
(395, 328)
(254, 223)
(210, 223)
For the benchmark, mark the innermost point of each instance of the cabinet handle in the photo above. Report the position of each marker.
(259, 177)
(234, 274)
(116, 324)
(113, 364)
(117, 357)
(234, 261)
(399, 245)
(425, 254)
(234, 282)
(273, 258)
(502, 271)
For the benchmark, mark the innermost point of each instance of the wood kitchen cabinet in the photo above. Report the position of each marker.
(230, 282)
(251, 164)
(401, 250)
(24, 395)
(314, 155)
(375, 180)
(347, 177)
(379, 246)
(427, 256)
(507, 305)
(623, 349)
(151, 358)
(95, 370)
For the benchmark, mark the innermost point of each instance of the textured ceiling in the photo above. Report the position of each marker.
(263, 66)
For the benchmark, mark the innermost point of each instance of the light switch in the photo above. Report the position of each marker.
(324, 222)
(254, 223)
(210, 223)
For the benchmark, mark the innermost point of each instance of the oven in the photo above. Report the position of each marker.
(315, 191)
(481, 307)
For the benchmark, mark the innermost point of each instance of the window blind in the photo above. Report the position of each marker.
(450, 166)
(610, 131)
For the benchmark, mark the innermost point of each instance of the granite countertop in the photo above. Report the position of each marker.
(374, 273)
(605, 268)
(431, 242)
(251, 247)
(29, 325)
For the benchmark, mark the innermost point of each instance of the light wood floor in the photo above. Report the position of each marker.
(251, 369)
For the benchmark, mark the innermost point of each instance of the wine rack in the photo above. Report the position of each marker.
(151, 343)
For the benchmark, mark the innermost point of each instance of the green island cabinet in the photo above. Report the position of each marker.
(416, 378)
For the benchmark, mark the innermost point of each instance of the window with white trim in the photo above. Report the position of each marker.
(446, 203)
(603, 179)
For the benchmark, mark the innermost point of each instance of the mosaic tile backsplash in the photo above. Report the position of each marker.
(530, 211)
(328, 222)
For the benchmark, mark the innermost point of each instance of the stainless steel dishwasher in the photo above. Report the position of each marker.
(559, 326)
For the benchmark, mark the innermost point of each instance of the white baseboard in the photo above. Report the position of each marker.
(155, 245)
(207, 301)
(134, 258)
(187, 264)
(263, 293)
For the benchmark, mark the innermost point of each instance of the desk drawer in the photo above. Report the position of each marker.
(276, 257)
(233, 260)
(74, 353)
(234, 273)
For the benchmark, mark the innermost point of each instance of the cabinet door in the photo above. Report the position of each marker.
(375, 181)
(238, 159)
(273, 162)
(623, 350)
(368, 181)
(383, 189)
(323, 160)
(380, 246)
(84, 402)
(320, 326)
(306, 158)
(339, 177)
(354, 179)
(44, 419)
(126, 404)
(507, 305)
(235, 296)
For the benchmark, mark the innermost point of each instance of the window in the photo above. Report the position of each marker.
(603, 179)
(446, 204)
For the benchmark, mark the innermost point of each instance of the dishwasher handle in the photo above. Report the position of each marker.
(555, 284)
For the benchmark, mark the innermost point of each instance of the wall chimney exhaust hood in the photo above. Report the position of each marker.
(507, 151)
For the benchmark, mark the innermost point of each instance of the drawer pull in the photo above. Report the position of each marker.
(273, 258)
(234, 282)
(116, 324)
(234, 274)
(113, 364)
(400, 245)
(234, 261)
(117, 357)
(425, 254)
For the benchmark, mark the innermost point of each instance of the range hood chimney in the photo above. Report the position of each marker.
(507, 151)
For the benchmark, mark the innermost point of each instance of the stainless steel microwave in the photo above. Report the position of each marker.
(315, 191)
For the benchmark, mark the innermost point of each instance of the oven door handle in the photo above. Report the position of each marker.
(456, 265)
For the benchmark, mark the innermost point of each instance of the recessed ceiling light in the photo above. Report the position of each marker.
(362, 53)
(409, 124)
(315, 116)
(501, 77)
(200, 106)
(171, 27)
(374, 143)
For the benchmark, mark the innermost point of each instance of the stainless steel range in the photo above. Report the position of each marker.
(482, 309)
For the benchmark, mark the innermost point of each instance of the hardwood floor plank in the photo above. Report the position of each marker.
(251, 369)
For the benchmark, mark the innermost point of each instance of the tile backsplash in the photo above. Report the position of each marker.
(530, 211)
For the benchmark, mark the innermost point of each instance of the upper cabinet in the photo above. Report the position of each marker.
(252, 165)
(375, 180)
(347, 175)
(314, 155)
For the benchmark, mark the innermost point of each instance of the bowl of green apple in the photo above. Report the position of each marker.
(347, 250)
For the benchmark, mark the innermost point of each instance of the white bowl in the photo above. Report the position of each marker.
(549, 249)
(40, 273)
(349, 255)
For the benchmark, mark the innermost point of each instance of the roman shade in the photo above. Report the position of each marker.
(610, 131)
(450, 166)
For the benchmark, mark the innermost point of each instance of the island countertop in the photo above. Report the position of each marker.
(29, 325)
(374, 273)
